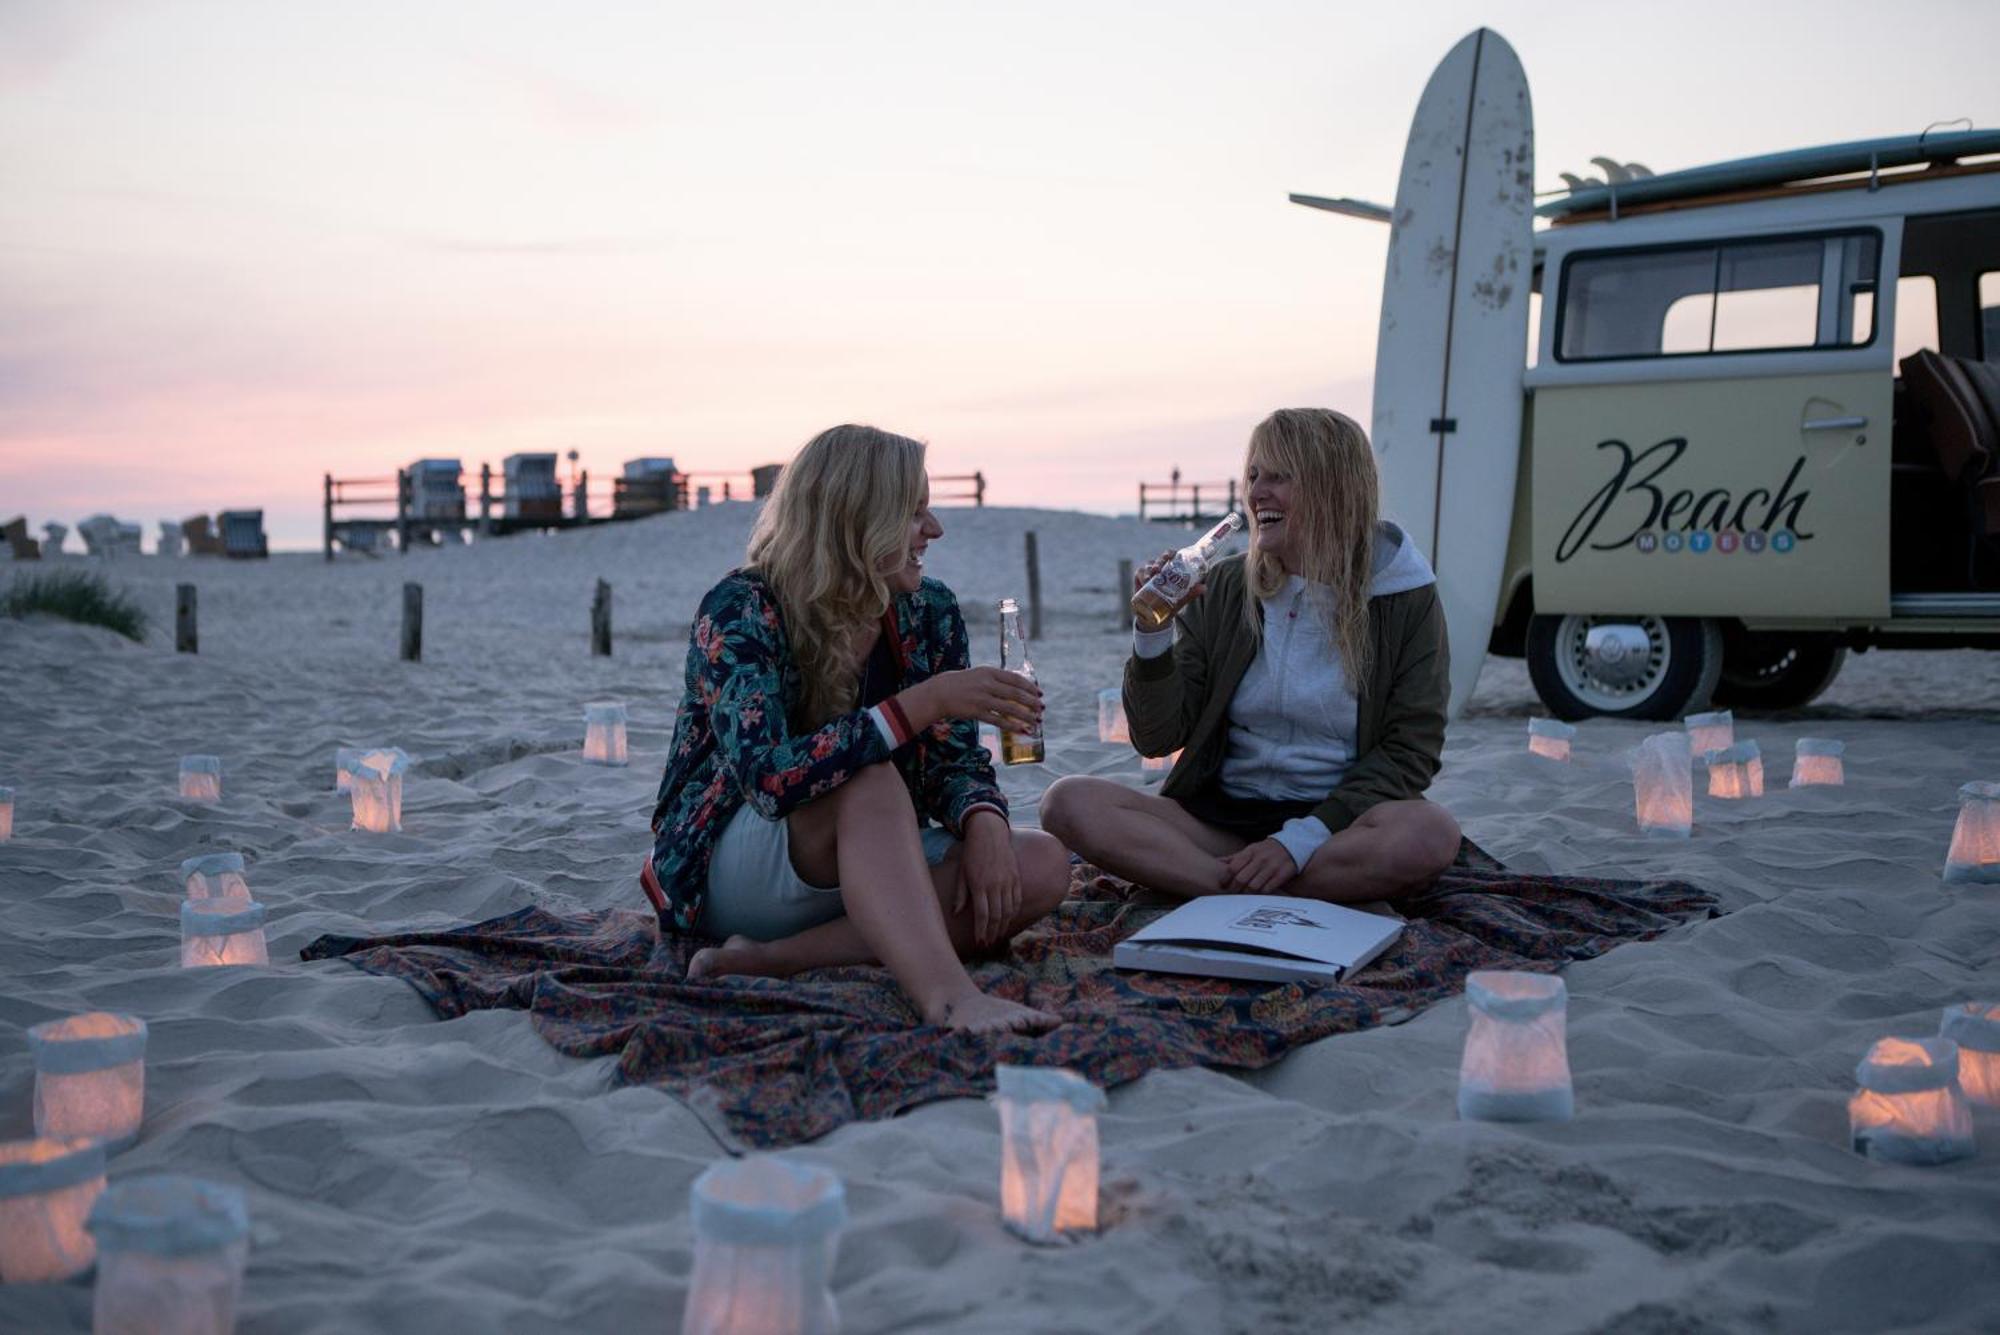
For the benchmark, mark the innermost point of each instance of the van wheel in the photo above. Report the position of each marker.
(1642, 667)
(1762, 670)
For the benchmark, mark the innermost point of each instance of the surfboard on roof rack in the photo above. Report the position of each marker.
(1778, 169)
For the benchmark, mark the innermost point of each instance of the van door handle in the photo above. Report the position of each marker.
(1834, 424)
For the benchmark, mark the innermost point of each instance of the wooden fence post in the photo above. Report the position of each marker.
(327, 510)
(1124, 592)
(186, 640)
(979, 490)
(1034, 589)
(600, 621)
(413, 623)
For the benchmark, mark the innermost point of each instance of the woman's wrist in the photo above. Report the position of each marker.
(916, 704)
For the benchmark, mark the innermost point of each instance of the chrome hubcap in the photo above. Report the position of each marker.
(1612, 663)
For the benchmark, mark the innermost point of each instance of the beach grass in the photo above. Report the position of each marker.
(75, 595)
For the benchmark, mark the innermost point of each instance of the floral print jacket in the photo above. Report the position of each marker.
(733, 742)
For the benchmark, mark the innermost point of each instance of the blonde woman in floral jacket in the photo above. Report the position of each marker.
(827, 800)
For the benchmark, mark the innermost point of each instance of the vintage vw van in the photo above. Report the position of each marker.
(1761, 427)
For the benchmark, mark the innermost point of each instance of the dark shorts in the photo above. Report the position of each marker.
(1248, 818)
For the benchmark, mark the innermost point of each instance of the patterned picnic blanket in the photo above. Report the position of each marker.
(783, 1061)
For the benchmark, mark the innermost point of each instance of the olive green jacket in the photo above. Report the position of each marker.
(1181, 699)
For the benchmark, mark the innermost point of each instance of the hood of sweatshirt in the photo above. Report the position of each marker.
(1399, 566)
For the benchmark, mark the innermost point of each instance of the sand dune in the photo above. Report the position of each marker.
(406, 1174)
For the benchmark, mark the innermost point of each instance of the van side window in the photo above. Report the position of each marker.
(1916, 314)
(1738, 296)
(1989, 316)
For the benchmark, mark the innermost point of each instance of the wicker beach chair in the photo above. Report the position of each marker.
(201, 541)
(23, 547)
(243, 534)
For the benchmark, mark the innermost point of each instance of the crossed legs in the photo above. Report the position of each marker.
(863, 837)
(1391, 849)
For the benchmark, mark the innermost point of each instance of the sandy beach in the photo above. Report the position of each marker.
(406, 1174)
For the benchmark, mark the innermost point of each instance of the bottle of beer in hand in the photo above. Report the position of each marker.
(1017, 748)
(1154, 605)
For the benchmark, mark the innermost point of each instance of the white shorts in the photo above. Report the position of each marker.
(754, 891)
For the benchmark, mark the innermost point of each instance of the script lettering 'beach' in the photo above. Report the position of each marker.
(407, 1174)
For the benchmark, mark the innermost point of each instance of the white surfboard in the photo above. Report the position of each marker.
(1448, 362)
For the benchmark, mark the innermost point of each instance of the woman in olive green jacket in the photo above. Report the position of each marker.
(1306, 690)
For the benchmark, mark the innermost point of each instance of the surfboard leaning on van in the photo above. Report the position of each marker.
(1758, 425)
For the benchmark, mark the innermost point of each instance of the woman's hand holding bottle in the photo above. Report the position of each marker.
(986, 694)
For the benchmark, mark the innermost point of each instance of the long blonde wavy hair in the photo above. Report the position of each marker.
(839, 514)
(1335, 499)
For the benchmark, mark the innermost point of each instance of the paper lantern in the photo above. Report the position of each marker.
(1975, 1027)
(1975, 841)
(1909, 1108)
(1111, 725)
(764, 1235)
(989, 737)
(1817, 762)
(1663, 785)
(228, 931)
(1710, 732)
(170, 1255)
(1736, 771)
(1048, 1151)
(6, 814)
(1550, 737)
(1516, 1062)
(1158, 764)
(90, 1077)
(215, 876)
(376, 787)
(201, 778)
(46, 1190)
(345, 758)
(604, 733)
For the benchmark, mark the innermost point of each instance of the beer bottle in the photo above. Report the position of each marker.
(1017, 748)
(1154, 605)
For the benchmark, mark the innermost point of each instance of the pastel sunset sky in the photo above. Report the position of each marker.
(247, 242)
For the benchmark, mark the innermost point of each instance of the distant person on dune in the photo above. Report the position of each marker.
(830, 717)
(1307, 685)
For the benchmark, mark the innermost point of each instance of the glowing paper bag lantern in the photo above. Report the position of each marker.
(764, 1235)
(1909, 1108)
(1817, 762)
(1111, 725)
(170, 1254)
(46, 1190)
(201, 778)
(604, 733)
(90, 1077)
(1048, 1151)
(1550, 737)
(376, 787)
(1736, 771)
(215, 876)
(1975, 1027)
(1710, 732)
(1663, 785)
(229, 931)
(1975, 841)
(345, 758)
(1516, 1062)
(6, 814)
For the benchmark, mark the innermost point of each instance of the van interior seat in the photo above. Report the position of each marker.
(1951, 412)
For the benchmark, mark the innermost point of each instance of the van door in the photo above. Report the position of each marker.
(1711, 433)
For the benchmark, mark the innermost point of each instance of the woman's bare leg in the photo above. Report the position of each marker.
(1147, 839)
(1391, 849)
(863, 837)
(1044, 882)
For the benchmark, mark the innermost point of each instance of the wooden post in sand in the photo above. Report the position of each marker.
(186, 641)
(1034, 589)
(1123, 590)
(600, 621)
(413, 623)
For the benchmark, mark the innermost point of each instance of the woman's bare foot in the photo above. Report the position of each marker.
(976, 1012)
(737, 955)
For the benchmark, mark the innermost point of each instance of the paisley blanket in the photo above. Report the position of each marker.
(776, 1062)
